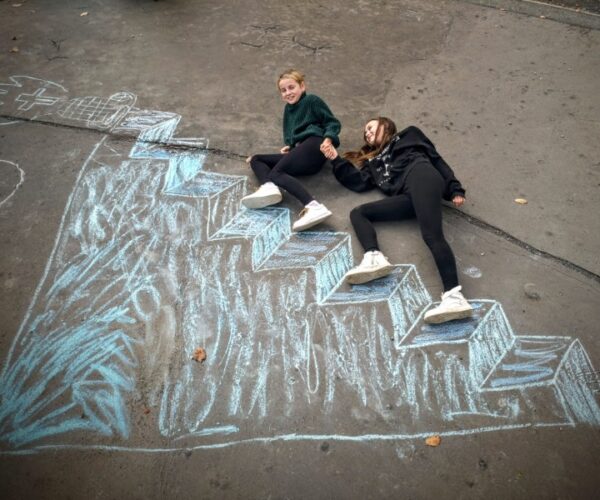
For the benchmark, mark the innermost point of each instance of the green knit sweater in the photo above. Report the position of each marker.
(309, 116)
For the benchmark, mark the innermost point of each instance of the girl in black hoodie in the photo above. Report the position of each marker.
(405, 166)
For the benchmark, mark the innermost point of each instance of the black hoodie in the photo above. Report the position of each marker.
(388, 170)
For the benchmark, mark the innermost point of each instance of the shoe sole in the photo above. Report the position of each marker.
(448, 316)
(359, 279)
(312, 223)
(262, 201)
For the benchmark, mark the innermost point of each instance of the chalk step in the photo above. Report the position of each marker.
(325, 255)
(171, 149)
(265, 229)
(148, 126)
(558, 366)
(214, 196)
(481, 340)
(402, 295)
(425, 373)
(452, 332)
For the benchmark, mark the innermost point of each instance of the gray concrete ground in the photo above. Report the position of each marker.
(510, 100)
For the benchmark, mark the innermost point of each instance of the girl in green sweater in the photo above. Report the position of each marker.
(308, 128)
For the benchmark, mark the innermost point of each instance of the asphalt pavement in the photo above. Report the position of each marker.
(124, 126)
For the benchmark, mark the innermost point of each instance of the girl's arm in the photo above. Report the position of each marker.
(347, 174)
(453, 185)
(286, 140)
(331, 125)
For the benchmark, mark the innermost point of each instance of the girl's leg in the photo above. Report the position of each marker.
(423, 200)
(268, 193)
(262, 164)
(305, 159)
(424, 186)
(389, 209)
(374, 264)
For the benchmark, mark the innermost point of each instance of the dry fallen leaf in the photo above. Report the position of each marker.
(15, 49)
(433, 440)
(521, 201)
(83, 14)
(17, 4)
(146, 410)
(199, 355)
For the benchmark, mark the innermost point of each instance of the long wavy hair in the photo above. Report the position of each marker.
(368, 151)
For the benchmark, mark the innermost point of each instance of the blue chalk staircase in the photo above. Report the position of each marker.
(293, 351)
(319, 356)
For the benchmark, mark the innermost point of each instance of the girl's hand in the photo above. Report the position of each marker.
(326, 143)
(331, 153)
(284, 150)
(458, 200)
(327, 149)
(249, 159)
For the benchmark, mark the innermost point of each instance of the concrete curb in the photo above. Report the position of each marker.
(584, 19)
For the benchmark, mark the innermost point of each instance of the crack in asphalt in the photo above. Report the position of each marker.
(481, 224)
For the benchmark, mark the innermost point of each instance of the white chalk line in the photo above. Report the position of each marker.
(290, 437)
(21, 180)
(3, 124)
(50, 261)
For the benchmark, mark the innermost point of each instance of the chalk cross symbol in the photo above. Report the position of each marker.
(37, 98)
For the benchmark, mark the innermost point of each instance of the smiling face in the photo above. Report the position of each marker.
(373, 133)
(291, 90)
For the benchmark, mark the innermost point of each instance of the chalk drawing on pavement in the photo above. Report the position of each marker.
(4, 122)
(155, 257)
(30, 97)
(98, 112)
(11, 179)
(472, 272)
(35, 98)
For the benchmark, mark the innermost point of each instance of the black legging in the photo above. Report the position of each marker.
(304, 159)
(421, 198)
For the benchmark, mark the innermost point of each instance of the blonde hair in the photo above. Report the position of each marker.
(292, 73)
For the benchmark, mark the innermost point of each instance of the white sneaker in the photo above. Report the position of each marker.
(311, 216)
(374, 265)
(266, 195)
(452, 306)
